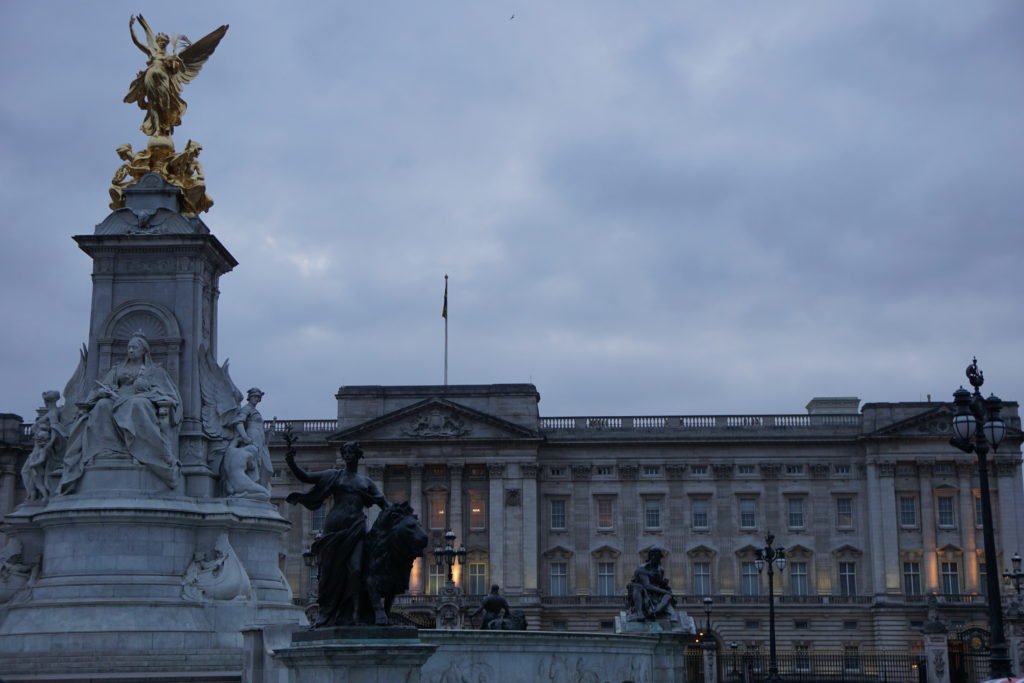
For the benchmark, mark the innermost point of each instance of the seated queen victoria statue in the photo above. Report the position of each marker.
(130, 411)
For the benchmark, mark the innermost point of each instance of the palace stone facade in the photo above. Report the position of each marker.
(876, 509)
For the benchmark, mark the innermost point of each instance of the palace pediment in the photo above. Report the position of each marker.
(435, 419)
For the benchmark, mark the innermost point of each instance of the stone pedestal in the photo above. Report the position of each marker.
(359, 654)
(936, 650)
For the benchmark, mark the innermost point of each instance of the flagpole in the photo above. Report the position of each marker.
(444, 314)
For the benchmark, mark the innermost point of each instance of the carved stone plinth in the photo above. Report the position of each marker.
(355, 654)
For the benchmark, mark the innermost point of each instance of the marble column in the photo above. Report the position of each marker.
(876, 537)
(931, 562)
(496, 522)
(455, 514)
(531, 527)
(417, 581)
(890, 541)
(968, 535)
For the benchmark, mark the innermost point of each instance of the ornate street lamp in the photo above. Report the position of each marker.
(976, 426)
(1016, 577)
(448, 555)
(707, 621)
(765, 557)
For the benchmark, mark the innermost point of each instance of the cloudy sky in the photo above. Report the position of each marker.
(644, 207)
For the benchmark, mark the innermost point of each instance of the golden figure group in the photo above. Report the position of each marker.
(157, 91)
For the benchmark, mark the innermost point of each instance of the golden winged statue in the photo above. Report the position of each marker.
(157, 88)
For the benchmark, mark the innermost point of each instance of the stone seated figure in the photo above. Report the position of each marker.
(649, 596)
(133, 410)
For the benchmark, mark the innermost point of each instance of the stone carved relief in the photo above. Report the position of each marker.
(628, 471)
(675, 472)
(513, 497)
(939, 662)
(496, 470)
(216, 574)
(16, 576)
(818, 470)
(437, 423)
(581, 472)
(722, 470)
(529, 470)
(770, 470)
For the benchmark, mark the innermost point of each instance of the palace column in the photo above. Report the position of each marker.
(417, 579)
(531, 527)
(931, 562)
(496, 519)
(968, 535)
(454, 512)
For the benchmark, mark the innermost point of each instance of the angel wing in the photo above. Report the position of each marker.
(76, 389)
(220, 396)
(195, 55)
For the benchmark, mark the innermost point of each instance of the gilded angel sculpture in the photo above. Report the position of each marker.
(157, 88)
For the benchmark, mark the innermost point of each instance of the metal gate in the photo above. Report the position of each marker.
(969, 656)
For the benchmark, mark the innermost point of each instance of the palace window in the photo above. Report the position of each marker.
(438, 507)
(606, 578)
(699, 469)
(557, 514)
(746, 469)
(912, 578)
(436, 577)
(699, 510)
(604, 470)
(798, 578)
(795, 507)
(477, 512)
(847, 578)
(794, 469)
(652, 513)
(477, 578)
(844, 512)
(947, 512)
(701, 578)
(950, 576)
(842, 469)
(978, 516)
(748, 513)
(908, 511)
(316, 519)
(748, 578)
(606, 513)
(559, 578)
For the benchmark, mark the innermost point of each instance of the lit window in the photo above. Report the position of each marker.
(908, 511)
(912, 578)
(748, 513)
(558, 514)
(559, 578)
(436, 577)
(652, 514)
(477, 512)
(477, 578)
(748, 579)
(701, 578)
(700, 513)
(950, 578)
(844, 513)
(947, 515)
(796, 513)
(606, 578)
(437, 513)
(798, 578)
(847, 578)
(605, 513)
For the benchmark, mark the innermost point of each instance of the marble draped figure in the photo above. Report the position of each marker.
(132, 410)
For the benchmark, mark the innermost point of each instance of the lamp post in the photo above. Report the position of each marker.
(448, 555)
(765, 557)
(707, 620)
(977, 426)
(1016, 577)
(735, 673)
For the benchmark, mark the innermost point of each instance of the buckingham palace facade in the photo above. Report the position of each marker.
(876, 510)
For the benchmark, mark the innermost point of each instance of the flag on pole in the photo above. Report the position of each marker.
(444, 309)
